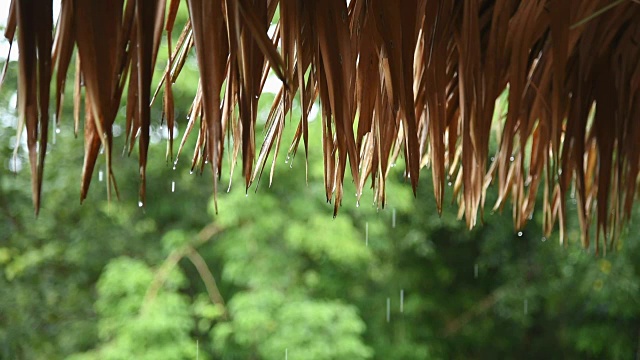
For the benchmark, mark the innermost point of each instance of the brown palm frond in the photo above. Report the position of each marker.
(416, 78)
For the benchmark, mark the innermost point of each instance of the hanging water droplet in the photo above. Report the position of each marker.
(544, 238)
(493, 159)
(366, 234)
(519, 233)
(358, 203)
(100, 175)
(402, 300)
(393, 218)
(388, 309)
(190, 172)
(511, 158)
(173, 186)
(475, 271)
(15, 164)
(57, 130)
(526, 306)
(449, 183)
(140, 203)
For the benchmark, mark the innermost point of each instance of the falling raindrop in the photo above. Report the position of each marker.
(388, 309)
(197, 349)
(173, 186)
(393, 218)
(366, 234)
(100, 175)
(140, 203)
(519, 233)
(526, 306)
(475, 271)
(402, 300)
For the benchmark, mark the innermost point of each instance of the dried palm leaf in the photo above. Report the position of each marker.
(418, 79)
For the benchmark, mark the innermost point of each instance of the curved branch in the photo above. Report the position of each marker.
(172, 260)
(208, 279)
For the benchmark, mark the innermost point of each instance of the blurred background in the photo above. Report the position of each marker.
(273, 275)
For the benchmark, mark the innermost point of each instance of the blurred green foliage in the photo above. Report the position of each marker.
(273, 275)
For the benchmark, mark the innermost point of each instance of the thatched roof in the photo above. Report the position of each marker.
(414, 77)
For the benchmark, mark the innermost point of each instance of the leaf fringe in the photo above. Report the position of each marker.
(418, 79)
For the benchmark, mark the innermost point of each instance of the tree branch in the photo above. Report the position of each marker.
(208, 279)
(485, 304)
(172, 260)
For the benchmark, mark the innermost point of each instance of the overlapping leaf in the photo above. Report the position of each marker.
(417, 79)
